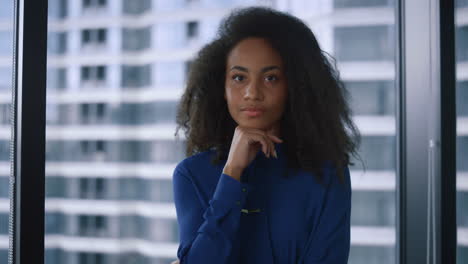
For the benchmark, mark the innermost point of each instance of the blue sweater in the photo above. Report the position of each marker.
(264, 218)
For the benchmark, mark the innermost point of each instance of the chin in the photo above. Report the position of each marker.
(254, 124)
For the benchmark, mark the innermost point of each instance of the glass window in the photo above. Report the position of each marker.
(94, 3)
(364, 43)
(136, 39)
(372, 97)
(192, 29)
(91, 258)
(5, 78)
(92, 76)
(162, 5)
(56, 187)
(57, 78)
(136, 76)
(6, 12)
(4, 187)
(92, 113)
(461, 3)
(362, 3)
(3, 223)
(5, 114)
(92, 225)
(92, 39)
(55, 223)
(109, 149)
(461, 38)
(136, 7)
(462, 98)
(57, 43)
(6, 40)
(57, 9)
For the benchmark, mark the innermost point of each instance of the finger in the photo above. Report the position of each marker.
(259, 134)
(265, 135)
(261, 139)
(271, 144)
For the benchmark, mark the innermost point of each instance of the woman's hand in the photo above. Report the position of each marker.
(244, 147)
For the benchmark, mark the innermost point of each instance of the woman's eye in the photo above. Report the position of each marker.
(271, 78)
(238, 78)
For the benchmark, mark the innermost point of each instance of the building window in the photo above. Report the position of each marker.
(461, 39)
(136, 76)
(92, 113)
(462, 98)
(6, 43)
(94, 3)
(192, 29)
(93, 38)
(91, 258)
(93, 75)
(56, 187)
(187, 68)
(92, 225)
(92, 188)
(136, 39)
(4, 222)
(5, 78)
(56, 78)
(461, 3)
(362, 3)
(364, 43)
(6, 12)
(56, 9)
(373, 98)
(5, 110)
(4, 184)
(162, 191)
(93, 150)
(136, 7)
(54, 223)
(57, 43)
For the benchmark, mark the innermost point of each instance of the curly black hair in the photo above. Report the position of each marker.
(316, 125)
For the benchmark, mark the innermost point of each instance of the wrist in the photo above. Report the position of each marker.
(233, 172)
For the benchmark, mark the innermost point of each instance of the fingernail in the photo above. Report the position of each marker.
(274, 153)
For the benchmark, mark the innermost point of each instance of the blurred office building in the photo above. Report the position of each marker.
(116, 70)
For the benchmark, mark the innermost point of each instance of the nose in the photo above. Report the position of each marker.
(253, 91)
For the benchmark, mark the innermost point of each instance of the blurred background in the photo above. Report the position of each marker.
(116, 70)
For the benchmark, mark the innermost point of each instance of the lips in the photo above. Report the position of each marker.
(253, 109)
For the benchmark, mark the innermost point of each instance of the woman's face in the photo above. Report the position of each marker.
(255, 78)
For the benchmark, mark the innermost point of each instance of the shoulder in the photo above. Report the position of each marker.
(196, 162)
(332, 174)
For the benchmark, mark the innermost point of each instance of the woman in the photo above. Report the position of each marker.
(269, 135)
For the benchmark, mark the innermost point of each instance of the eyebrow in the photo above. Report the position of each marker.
(264, 69)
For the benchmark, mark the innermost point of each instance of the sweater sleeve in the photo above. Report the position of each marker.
(206, 233)
(329, 243)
